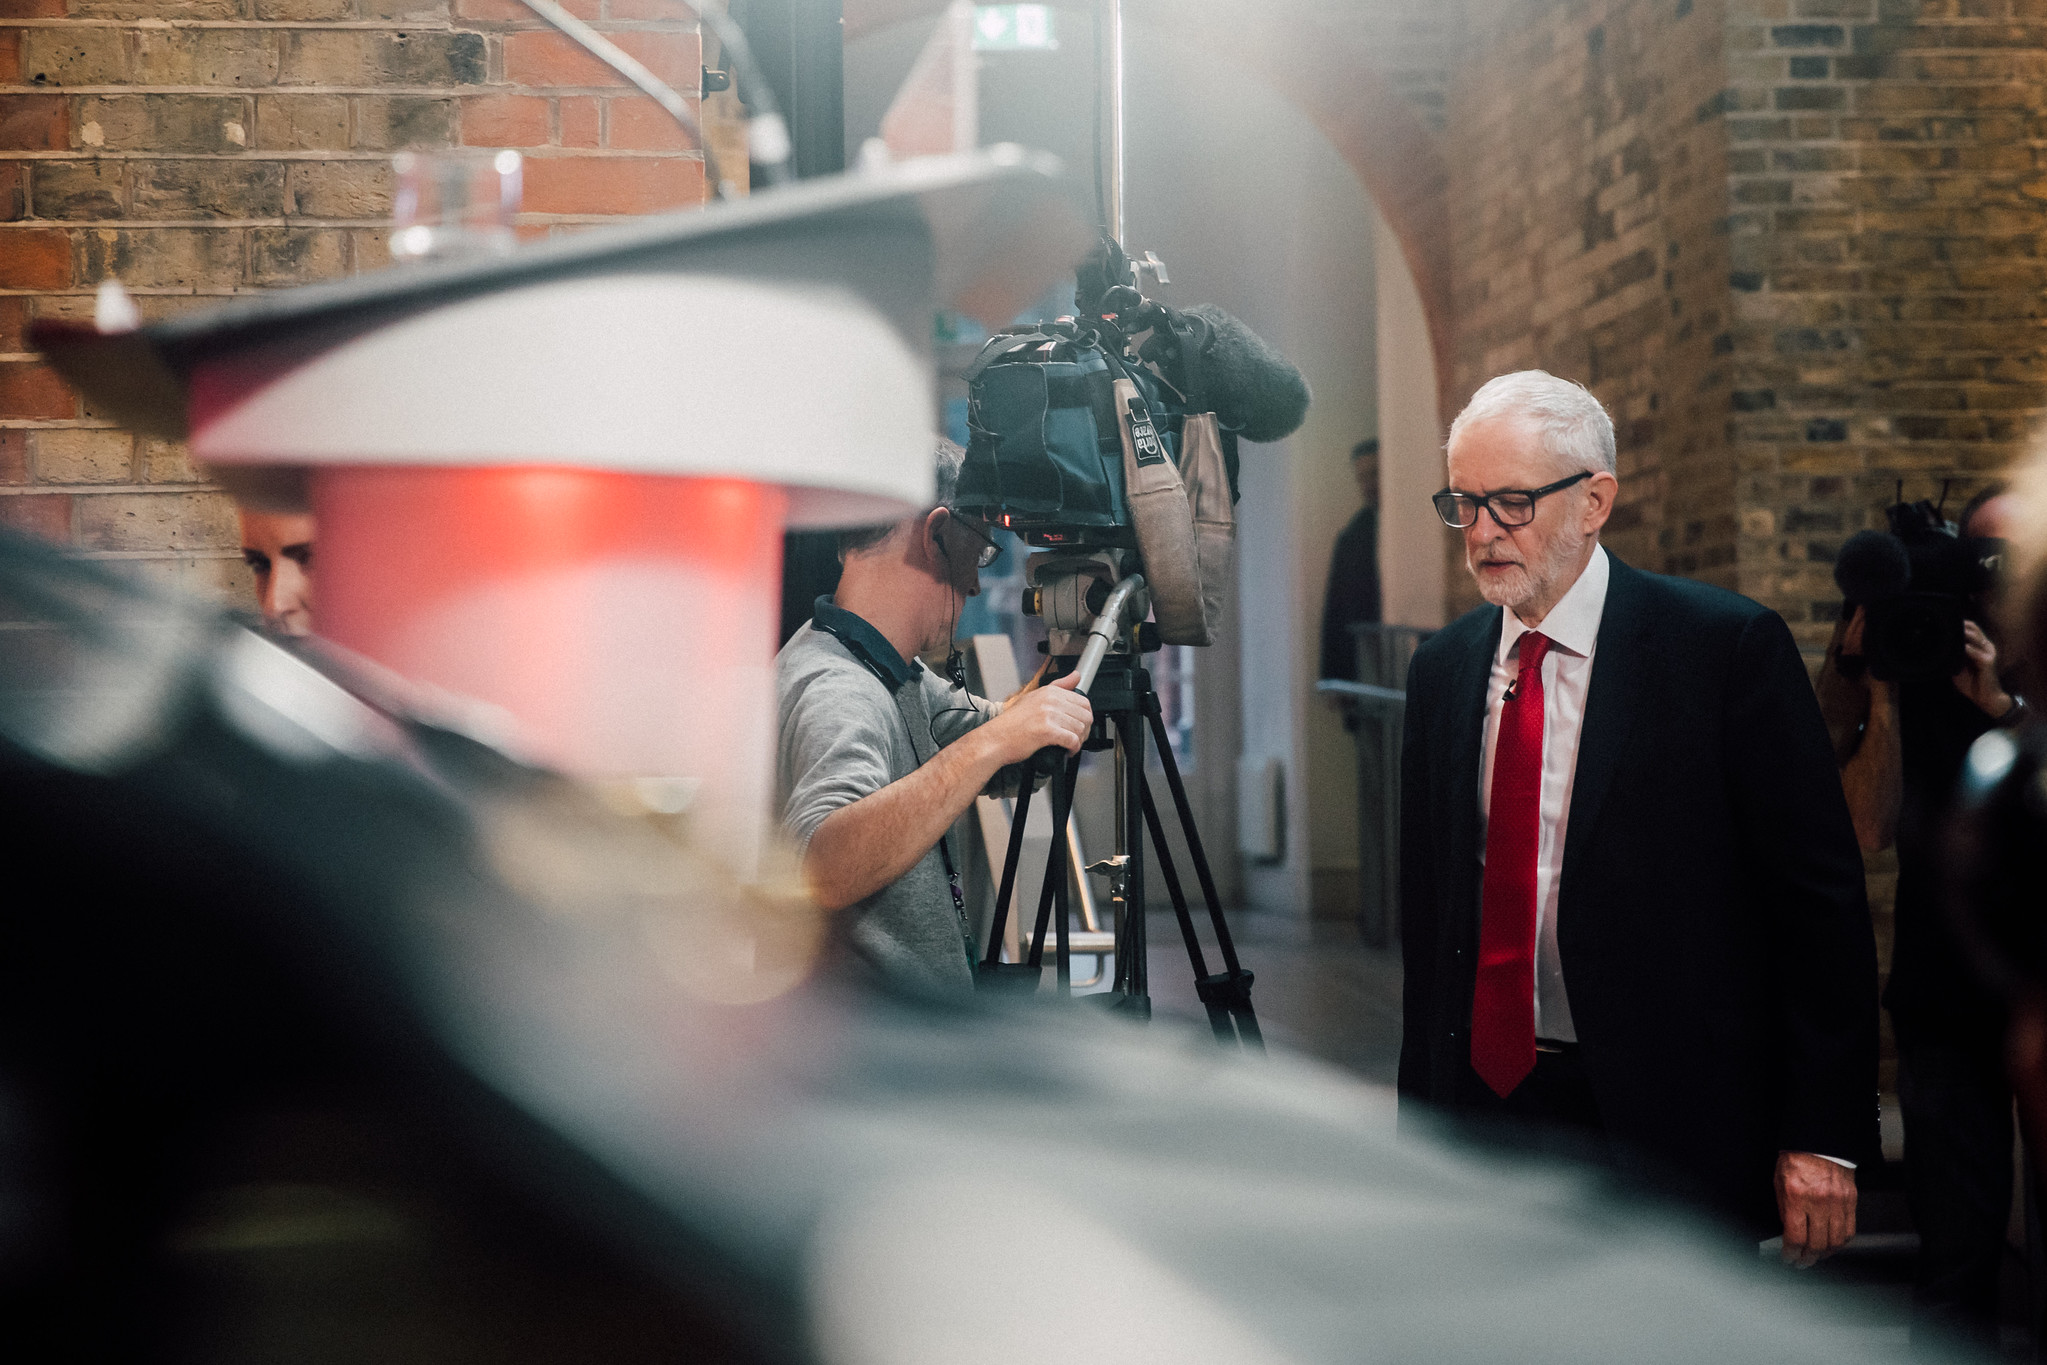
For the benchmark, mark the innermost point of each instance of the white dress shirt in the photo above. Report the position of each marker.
(1573, 630)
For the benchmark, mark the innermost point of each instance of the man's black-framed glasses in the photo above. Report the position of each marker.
(990, 551)
(1511, 507)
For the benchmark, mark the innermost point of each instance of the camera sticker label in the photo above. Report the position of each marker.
(1143, 436)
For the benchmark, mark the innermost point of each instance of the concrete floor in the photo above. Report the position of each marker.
(1319, 989)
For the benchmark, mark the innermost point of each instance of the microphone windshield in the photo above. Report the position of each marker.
(1872, 567)
(1257, 392)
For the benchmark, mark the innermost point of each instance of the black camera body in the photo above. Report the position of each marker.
(1045, 450)
(1918, 583)
(1045, 455)
(1099, 448)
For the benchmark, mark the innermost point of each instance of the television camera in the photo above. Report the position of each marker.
(1108, 441)
(1918, 582)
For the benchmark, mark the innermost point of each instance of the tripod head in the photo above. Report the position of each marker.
(1069, 590)
(1072, 591)
(1087, 620)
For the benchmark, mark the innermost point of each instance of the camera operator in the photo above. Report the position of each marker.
(877, 757)
(1900, 774)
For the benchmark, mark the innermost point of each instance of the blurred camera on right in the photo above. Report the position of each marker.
(1918, 583)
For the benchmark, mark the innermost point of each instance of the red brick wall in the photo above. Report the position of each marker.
(1889, 255)
(1587, 196)
(1799, 247)
(202, 148)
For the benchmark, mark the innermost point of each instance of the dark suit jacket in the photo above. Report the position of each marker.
(1715, 937)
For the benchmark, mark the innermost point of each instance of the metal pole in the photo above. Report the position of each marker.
(604, 50)
(1113, 79)
(1119, 898)
(768, 136)
(1130, 753)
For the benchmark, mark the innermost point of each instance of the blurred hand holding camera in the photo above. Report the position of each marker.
(1862, 715)
(1977, 679)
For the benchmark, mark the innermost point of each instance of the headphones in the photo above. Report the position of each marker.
(955, 662)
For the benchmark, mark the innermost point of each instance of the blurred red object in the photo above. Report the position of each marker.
(625, 622)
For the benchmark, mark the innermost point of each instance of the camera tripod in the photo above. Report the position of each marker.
(1122, 696)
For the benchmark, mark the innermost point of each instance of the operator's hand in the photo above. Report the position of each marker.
(1817, 1200)
(1883, 694)
(1851, 638)
(1978, 679)
(1055, 714)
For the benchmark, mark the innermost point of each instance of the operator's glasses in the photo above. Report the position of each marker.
(989, 549)
(1511, 507)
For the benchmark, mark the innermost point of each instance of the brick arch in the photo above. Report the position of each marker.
(1326, 67)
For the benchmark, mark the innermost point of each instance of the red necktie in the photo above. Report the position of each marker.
(1503, 998)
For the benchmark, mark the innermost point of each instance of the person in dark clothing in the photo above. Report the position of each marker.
(1353, 593)
(1631, 905)
(1900, 774)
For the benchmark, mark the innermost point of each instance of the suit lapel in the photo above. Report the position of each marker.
(1611, 705)
(1466, 751)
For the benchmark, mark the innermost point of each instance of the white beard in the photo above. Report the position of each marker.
(1524, 583)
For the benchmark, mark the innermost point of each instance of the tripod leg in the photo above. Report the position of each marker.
(1000, 924)
(1233, 987)
(1053, 888)
(1247, 1020)
(1063, 813)
(1130, 729)
(1218, 1015)
(1194, 848)
(1052, 869)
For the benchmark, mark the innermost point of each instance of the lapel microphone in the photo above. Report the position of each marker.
(1513, 686)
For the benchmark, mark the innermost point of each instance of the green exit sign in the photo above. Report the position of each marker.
(1014, 28)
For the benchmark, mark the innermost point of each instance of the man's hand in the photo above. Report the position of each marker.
(865, 846)
(1851, 638)
(1862, 720)
(1817, 1200)
(1978, 679)
(1842, 685)
(1055, 714)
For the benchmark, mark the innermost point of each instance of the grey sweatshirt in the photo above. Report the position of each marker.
(853, 717)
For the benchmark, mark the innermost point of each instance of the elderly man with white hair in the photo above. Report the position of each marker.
(1633, 910)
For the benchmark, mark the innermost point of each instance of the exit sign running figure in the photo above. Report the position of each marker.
(1014, 28)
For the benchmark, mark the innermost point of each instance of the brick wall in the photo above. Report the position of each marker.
(202, 148)
(1408, 45)
(1587, 188)
(1798, 246)
(1889, 252)
(1887, 238)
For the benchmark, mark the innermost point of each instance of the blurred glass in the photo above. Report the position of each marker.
(454, 204)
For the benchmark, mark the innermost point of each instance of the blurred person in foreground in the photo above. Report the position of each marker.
(1352, 596)
(1634, 919)
(1903, 745)
(877, 757)
(414, 1052)
(278, 548)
